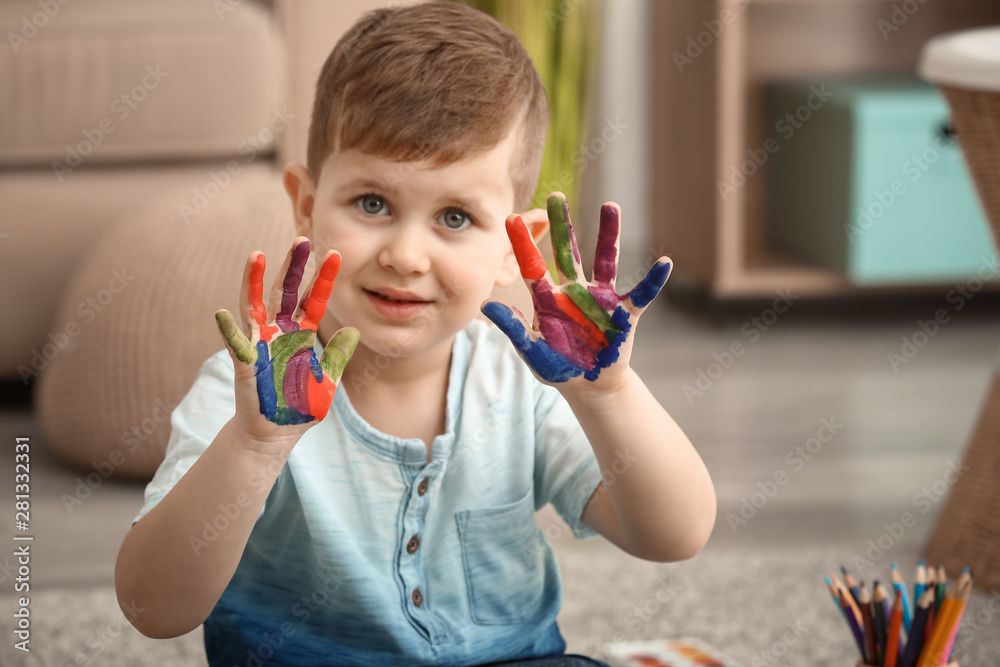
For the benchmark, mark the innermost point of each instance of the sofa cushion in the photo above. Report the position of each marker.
(120, 80)
(144, 302)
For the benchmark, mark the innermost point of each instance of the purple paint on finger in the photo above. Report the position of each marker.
(606, 256)
(290, 291)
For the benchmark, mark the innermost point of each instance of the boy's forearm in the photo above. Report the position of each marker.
(655, 480)
(168, 567)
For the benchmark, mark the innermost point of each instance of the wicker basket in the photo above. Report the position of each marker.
(976, 117)
(966, 67)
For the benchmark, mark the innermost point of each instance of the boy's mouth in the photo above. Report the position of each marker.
(396, 296)
(395, 304)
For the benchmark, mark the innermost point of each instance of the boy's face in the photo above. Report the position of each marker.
(421, 248)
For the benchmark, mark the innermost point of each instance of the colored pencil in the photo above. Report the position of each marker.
(865, 602)
(915, 640)
(930, 613)
(941, 583)
(846, 596)
(900, 585)
(853, 623)
(895, 626)
(834, 593)
(878, 615)
(918, 587)
(941, 630)
(963, 601)
(852, 585)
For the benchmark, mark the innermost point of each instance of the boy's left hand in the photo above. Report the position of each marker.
(581, 328)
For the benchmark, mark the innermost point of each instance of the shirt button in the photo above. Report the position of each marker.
(413, 544)
(422, 489)
(418, 599)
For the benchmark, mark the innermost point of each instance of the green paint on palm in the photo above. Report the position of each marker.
(562, 235)
(588, 305)
(282, 349)
(339, 351)
(240, 344)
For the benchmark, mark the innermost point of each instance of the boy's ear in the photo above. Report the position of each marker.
(537, 222)
(300, 189)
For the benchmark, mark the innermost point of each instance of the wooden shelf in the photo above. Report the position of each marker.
(709, 109)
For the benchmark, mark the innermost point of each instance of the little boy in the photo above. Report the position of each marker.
(330, 501)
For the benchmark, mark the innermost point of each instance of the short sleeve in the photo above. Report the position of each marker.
(194, 423)
(566, 468)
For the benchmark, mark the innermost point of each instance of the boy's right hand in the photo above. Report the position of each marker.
(281, 388)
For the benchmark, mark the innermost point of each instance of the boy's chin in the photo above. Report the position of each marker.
(400, 344)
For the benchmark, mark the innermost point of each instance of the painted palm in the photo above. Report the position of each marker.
(293, 387)
(579, 325)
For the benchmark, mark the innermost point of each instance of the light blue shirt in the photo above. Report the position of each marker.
(366, 554)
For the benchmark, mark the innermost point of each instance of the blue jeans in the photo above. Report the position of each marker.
(567, 660)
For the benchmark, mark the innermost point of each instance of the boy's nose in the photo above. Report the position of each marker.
(405, 251)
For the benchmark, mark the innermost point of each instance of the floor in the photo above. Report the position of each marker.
(890, 431)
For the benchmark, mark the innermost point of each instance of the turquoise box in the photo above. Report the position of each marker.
(868, 180)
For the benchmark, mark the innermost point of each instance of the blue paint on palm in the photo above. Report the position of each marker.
(549, 364)
(268, 397)
(265, 381)
(609, 355)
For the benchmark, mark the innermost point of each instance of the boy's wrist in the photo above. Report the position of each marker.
(268, 448)
(600, 394)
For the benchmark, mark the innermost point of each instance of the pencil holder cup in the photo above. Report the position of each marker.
(862, 663)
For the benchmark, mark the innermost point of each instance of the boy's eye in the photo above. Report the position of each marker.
(454, 219)
(372, 204)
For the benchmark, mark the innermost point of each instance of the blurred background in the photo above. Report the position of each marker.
(828, 338)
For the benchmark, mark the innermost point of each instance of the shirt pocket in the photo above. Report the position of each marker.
(504, 566)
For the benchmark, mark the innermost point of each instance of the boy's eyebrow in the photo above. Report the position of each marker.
(363, 182)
